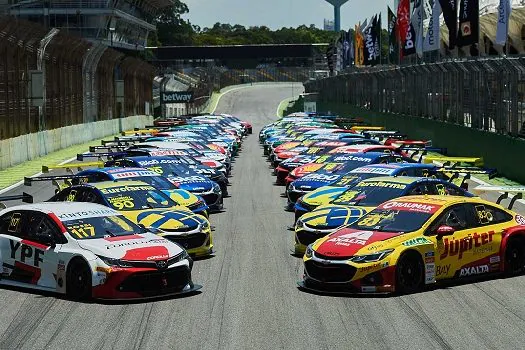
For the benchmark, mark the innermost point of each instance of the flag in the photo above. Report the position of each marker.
(352, 50)
(371, 38)
(502, 31)
(377, 39)
(346, 49)
(403, 19)
(449, 8)
(413, 42)
(431, 42)
(339, 53)
(359, 45)
(468, 23)
(393, 47)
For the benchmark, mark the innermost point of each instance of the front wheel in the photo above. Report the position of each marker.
(78, 276)
(515, 256)
(409, 273)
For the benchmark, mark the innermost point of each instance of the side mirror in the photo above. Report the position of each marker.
(445, 230)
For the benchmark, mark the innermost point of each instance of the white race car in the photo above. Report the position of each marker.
(88, 250)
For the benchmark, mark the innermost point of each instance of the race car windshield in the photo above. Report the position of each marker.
(388, 220)
(101, 227)
(136, 198)
(159, 182)
(370, 194)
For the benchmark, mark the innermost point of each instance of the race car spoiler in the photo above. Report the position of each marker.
(512, 192)
(94, 149)
(24, 197)
(426, 148)
(364, 128)
(491, 173)
(70, 166)
(473, 161)
(28, 181)
(100, 155)
(139, 132)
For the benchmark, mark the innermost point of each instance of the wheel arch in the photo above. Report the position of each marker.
(512, 232)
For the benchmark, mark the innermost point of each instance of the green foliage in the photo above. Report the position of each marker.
(173, 30)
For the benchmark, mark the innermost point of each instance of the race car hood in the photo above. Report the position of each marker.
(292, 163)
(182, 196)
(192, 183)
(333, 216)
(177, 219)
(349, 242)
(323, 195)
(143, 247)
(306, 169)
(313, 181)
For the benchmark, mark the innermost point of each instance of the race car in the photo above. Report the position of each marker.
(180, 196)
(325, 194)
(362, 198)
(87, 250)
(147, 206)
(182, 176)
(408, 243)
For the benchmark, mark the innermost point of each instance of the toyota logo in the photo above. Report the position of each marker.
(161, 264)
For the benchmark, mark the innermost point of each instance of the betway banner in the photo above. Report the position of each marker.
(176, 97)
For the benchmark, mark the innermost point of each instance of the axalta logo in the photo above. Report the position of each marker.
(473, 270)
(359, 237)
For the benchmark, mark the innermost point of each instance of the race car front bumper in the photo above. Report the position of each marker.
(143, 283)
(339, 276)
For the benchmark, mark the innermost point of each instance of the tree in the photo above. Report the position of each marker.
(172, 29)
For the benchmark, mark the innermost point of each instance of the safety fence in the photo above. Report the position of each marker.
(485, 94)
(82, 81)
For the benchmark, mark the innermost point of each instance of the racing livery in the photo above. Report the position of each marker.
(87, 250)
(407, 243)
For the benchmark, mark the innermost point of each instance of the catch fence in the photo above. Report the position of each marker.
(486, 94)
(84, 82)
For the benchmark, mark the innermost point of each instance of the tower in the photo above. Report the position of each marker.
(337, 12)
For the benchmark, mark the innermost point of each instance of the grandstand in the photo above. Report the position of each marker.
(124, 24)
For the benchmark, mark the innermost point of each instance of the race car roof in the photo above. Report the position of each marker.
(67, 211)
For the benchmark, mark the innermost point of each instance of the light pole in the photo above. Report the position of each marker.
(112, 30)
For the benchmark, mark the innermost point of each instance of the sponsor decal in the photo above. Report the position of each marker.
(410, 206)
(126, 188)
(430, 260)
(416, 241)
(520, 220)
(442, 269)
(28, 254)
(371, 267)
(61, 266)
(453, 247)
(473, 270)
(370, 170)
(429, 253)
(320, 177)
(368, 289)
(495, 259)
(382, 184)
(359, 237)
(87, 214)
(134, 242)
(176, 97)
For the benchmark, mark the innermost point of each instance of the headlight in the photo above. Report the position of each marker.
(299, 223)
(371, 257)
(114, 262)
(291, 188)
(216, 188)
(182, 256)
(309, 252)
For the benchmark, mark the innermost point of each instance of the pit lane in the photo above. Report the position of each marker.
(249, 298)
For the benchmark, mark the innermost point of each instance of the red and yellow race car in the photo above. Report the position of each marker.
(410, 242)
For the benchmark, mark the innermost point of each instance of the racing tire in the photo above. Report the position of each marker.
(515, 256)
(410, 272)
(78, 280)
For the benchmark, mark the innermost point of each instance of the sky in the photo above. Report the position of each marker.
(276, 14)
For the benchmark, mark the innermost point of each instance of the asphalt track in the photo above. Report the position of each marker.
(250, 300)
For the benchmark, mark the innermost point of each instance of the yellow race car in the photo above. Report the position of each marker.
(145, 205)
(410, 242)
(355, 202)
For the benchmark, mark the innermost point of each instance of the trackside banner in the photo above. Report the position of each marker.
(176, 97)
(450, 9)
(468, 23)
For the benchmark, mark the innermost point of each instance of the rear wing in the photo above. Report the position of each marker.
(419, 153)
(67, 180)
(70, 166)
(364, 128)
(426, 148)
(139, 132)
(471, 161)
(512, 192)
(24, 197)
(93, 149)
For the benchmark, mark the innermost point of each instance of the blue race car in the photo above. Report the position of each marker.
(180, 174)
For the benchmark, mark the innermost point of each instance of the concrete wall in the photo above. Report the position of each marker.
(499, 151)
(27, 147)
